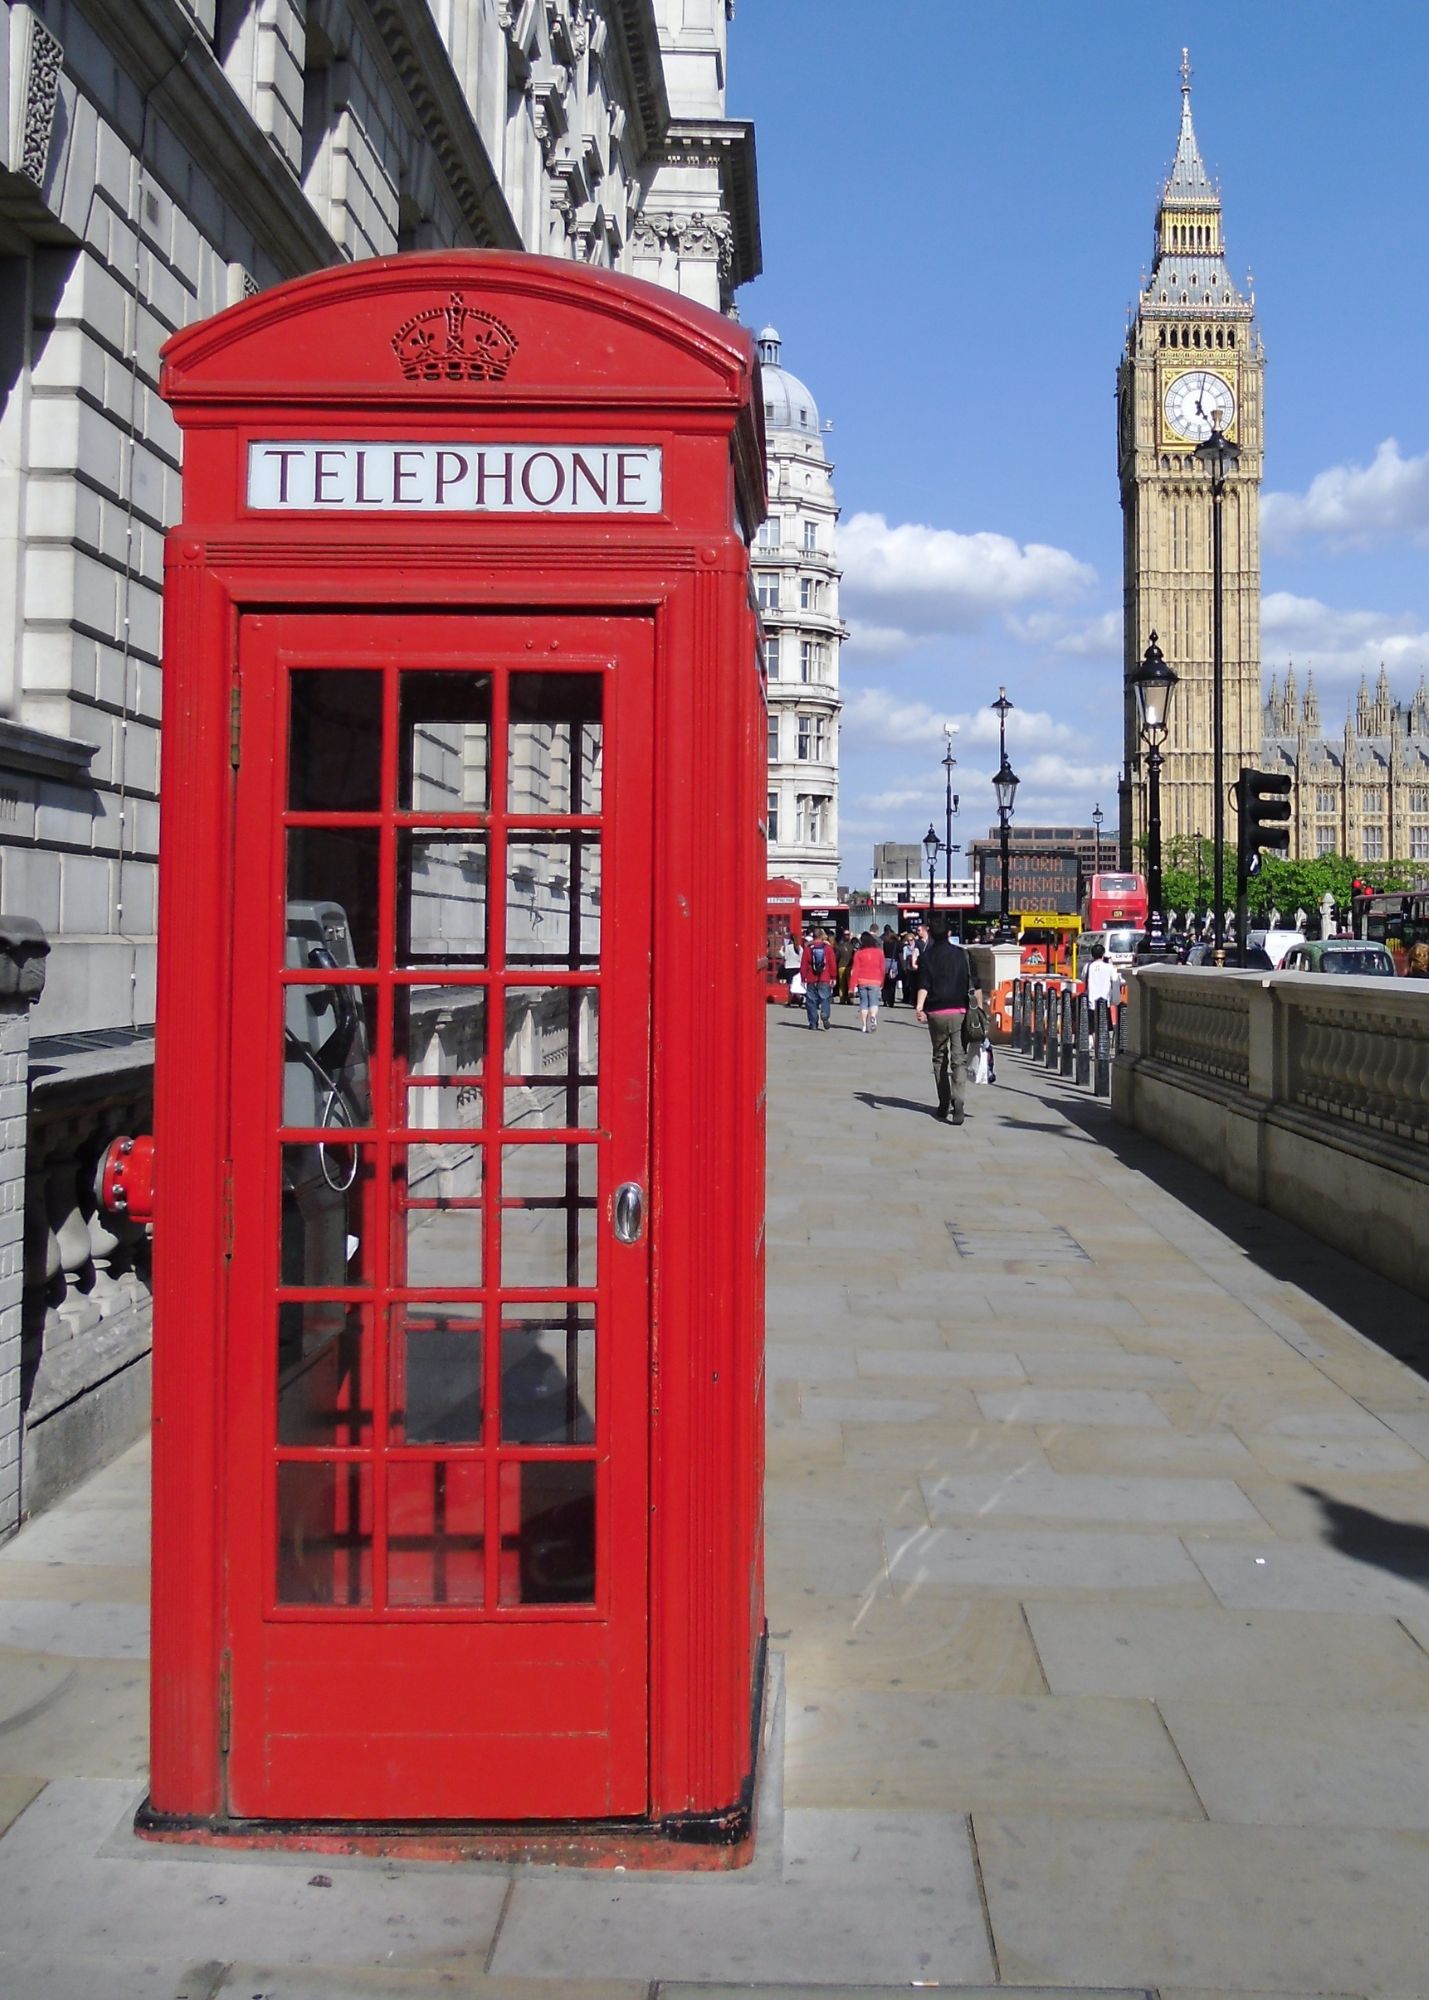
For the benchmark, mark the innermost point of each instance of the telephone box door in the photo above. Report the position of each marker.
(438, 1344)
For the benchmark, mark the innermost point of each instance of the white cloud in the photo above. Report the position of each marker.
(913, 579)
(1097, 638)
(1354, 504)
(875, 716)
(1340, 645)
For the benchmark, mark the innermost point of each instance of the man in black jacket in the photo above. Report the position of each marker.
(945, 983)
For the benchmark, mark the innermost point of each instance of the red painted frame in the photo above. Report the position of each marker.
(598, 360)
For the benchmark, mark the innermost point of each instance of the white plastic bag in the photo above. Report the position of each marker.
(983, 1065)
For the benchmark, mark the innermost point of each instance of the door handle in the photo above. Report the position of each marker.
(629, 1212)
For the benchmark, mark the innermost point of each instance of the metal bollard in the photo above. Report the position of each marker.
(1015, 1037)
(1039, 1020)
(1069, 1005)
(1053, 1058)
(1021, 1028)
(1083, 1071)
(1101, 1066)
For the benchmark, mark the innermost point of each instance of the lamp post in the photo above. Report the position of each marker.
(1004, 786)
(949, 762)
(1217, 452)
(932, 848)
(1097, 817)
(1155, 685)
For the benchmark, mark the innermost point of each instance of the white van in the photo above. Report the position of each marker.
(1275, 944)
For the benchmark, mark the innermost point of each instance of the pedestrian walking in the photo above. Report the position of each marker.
(819, 972)
(1417, 966)
(945, 986)
(1103, 982)
(844, 949)
(868, 981)
(890, 964)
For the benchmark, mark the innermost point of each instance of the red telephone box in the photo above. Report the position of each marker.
(458, 1299)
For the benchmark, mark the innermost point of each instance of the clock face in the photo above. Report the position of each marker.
(1194, 399)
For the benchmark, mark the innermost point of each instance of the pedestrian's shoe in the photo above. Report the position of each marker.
(956, 1115)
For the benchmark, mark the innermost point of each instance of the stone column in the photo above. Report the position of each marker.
(22, 980)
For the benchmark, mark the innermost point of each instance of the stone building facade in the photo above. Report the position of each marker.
(1192, 350)
(796, 582)
(1362, 792)
(161, 159)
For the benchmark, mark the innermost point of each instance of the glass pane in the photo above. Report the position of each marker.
(548, 1527)
(444, 758)
(327, 1033)
(324, 1373)
(547, 1216)
(332, 896)
(436, 1541)
(328, 1215)
(552, 1048)
(548, 1374)
(553, 899)
(436, 1371)
(555, 743)
(439, 1192)
(441, 1039)
(335, 740)
(441, 898)
(324, 1533)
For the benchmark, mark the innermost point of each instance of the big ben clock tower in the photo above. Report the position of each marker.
(1193, 360)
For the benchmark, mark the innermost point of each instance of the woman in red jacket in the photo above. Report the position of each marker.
(867, 980)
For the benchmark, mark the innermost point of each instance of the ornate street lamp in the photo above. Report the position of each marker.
(1217, 452)
(1004, 786)
(1097, 817)
(1154, 683)
(932, 848)
(950, 730)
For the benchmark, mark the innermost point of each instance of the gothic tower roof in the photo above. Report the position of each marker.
(1189, 267)
(1188, 181)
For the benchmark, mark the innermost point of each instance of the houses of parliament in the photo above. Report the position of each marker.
(1193, 357)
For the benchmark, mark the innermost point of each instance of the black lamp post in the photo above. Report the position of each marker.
(1004, 785)
(951, 807)
(932, 848)
(1155, 685)
(1097, 817)
(1217, 452)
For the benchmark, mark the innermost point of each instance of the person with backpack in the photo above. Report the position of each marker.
(819, 972)
(945, 988)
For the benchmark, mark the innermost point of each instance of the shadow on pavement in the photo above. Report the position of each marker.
(876, 1103)
(1401, 1547)
(1383, 1312)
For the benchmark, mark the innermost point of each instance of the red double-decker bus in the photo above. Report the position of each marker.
(1114, 902)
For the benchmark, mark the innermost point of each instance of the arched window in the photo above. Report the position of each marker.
(1230, 338)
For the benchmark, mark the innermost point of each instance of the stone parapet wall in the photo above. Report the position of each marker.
(1305, 1093)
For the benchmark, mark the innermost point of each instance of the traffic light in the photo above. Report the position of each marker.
(1263, 802)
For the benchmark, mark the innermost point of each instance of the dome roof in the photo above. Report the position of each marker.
(788, 406)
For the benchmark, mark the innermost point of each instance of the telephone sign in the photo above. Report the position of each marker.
(448, 1172)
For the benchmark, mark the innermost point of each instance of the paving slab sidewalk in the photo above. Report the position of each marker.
(1098, 1554)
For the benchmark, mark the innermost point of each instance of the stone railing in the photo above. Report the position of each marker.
(86, 1309)
(1307, 1093)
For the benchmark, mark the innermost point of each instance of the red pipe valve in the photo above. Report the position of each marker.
(126, 1178)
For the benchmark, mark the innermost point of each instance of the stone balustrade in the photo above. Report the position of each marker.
(1306, 1093)
(86, 1312)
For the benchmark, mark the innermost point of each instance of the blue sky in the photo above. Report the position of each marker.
(957, 204)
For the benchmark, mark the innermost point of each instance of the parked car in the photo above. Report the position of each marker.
(1353, 958)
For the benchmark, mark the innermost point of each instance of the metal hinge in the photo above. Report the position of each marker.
(225, 1702)
(235, 723)
(227, 1210)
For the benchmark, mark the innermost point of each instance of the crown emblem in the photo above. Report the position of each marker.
(454, 343)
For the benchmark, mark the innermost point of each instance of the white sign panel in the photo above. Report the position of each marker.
(336, 476)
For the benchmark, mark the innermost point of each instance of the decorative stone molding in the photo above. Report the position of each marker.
(44, 64)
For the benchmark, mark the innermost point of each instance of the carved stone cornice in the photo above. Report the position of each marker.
(44, 60)
(726, 146)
